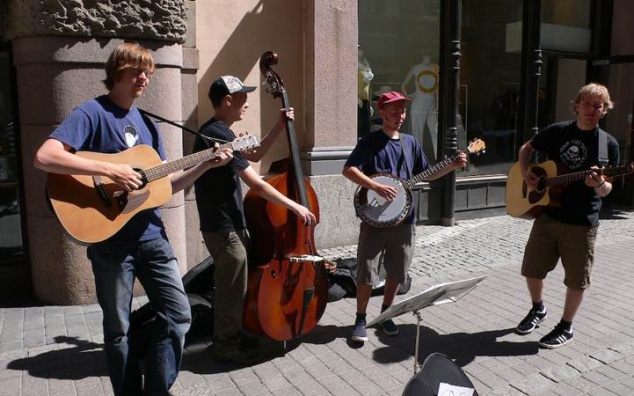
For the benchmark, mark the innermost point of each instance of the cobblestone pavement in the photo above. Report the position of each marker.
(53, 350)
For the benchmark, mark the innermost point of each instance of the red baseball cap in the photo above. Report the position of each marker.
(391, 97)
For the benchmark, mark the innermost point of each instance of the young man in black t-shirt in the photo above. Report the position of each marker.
(568, 232)
(220, 206)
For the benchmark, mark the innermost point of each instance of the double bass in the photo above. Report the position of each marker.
(287, 286)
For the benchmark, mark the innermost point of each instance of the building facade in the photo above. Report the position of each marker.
(494, 70)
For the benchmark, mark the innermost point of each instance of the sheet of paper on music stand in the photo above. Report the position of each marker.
(439, 294)
(446, 389)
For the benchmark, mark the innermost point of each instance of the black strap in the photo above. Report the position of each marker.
(604, 160)
(209, 139)
(403, 160)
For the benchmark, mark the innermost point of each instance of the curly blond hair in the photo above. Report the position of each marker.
(593, 90)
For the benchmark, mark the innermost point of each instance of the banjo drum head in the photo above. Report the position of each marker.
(378, 211)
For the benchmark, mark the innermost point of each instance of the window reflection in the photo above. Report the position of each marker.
(490, 83)
(399, 41)
(399, 44)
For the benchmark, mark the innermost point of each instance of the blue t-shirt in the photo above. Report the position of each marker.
(376, 152)
(578, 151)
(101, 126)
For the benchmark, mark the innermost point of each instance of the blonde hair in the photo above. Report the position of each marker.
(125, 56)
(593, 90)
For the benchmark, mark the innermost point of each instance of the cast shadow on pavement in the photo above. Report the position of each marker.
(461, 347)
(199, 359)
(614, 212)
(84, 359)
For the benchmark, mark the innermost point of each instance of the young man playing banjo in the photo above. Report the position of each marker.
(387, 151)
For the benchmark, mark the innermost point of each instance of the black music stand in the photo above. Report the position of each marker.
(436, 295)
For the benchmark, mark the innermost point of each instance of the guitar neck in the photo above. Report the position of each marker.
(432, 170)
(575, 176)
(163, 170)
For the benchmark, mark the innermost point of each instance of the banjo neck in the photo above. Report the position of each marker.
(432, 170)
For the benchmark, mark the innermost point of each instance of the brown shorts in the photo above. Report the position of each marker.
(395, 244)
(551, 240)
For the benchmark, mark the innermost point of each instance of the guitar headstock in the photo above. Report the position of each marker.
(476, 146)
(246, 142)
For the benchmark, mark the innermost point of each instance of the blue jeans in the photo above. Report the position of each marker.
(154, 264)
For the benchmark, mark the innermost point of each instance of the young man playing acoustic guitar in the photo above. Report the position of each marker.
(569, 231)
(390, 151)
(110, 124)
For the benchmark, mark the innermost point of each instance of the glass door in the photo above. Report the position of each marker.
(11, 243)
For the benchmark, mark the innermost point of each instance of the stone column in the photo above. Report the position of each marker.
(196, 250)
(59, 51)
(331, 116)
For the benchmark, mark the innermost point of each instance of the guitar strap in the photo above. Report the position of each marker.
(183, 127)
(603, 148)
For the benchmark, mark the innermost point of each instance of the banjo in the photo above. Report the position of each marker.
(378, 212)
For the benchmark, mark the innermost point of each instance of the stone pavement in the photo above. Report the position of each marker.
(53, 350)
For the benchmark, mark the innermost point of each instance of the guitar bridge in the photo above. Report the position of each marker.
(101, 191)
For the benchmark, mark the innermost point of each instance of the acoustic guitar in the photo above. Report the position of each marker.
(93, 208)
(526, 203)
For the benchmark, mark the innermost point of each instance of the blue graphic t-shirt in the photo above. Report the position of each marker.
(101, 126)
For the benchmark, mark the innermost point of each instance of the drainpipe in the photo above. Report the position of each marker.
(450, 15)
(531, 72)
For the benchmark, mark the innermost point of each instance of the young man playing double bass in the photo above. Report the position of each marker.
(568, 232)
(220, 206)
(386, 150)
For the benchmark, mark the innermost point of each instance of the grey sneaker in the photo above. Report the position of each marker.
(558, 337)
(359, 334)
(530, 322)
(389, 328)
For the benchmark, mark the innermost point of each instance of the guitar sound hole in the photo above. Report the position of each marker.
(144, 179)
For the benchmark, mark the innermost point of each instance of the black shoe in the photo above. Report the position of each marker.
(359, 334)
(558, 337)
(528, 324)
(389, 328)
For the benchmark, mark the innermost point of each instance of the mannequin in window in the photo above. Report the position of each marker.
(364, 106)
(424, 108)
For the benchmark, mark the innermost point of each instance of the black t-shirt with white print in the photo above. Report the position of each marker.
(577, 150)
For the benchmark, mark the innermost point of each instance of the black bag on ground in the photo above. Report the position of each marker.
(343, 281)
(199, 286)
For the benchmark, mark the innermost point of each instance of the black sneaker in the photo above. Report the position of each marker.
(528, 324)
(389, 328)
(359, 334)
(558, 337)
